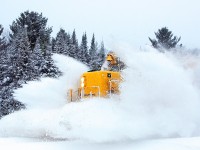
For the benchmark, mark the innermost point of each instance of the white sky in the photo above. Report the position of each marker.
(127, 21)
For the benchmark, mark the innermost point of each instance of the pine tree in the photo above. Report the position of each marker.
(73, 46)
(37, 60)
(3, 58)
(93, 47)
(19, 58)
(165, 39)
(2, 39)
(53, 42)
(10, 105)
(49, 69)
(61, 46)
(68, 42)
(36, 28)
(83, 51)
(4, 65)
(101, 54)
(4, 61)
(15, 71)
(93, 56)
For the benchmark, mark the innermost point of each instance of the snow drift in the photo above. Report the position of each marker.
(159, 98)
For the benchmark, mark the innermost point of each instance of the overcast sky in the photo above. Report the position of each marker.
(127, 21)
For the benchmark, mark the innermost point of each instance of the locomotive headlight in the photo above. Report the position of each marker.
(82, 82)
(82, 85)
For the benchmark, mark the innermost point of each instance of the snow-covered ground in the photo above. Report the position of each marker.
(158, 108)
(159, 144)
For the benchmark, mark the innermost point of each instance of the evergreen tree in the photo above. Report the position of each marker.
(3, 57)
(2, 39)
(68, 42)
(37, 60)
(19, 52)
(93, 47)
(4, 65)
(165, 39)
(101, 54)
(53, 43)
(8, 106)
(36, 28)
(61, 45)
(73, 46)
(49, 69)
(93, 57)
(83, 51)
(15, 71)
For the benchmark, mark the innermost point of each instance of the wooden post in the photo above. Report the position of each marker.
(71, 94)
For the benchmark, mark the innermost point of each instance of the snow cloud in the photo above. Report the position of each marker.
(159, 98)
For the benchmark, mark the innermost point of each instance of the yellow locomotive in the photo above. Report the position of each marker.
(101, 83)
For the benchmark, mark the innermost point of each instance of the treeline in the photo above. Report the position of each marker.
(27, 55)
(67, 44)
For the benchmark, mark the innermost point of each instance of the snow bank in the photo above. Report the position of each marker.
(49, 92)
(158, 99)
(156, 144)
